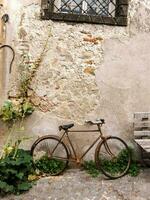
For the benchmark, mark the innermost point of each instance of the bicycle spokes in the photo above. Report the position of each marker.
(113, 157)
(50, 155)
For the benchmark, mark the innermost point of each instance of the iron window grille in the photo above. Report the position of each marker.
(111, 12)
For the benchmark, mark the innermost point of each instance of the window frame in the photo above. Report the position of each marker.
(120, 18)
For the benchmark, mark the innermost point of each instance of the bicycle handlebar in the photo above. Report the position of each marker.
(96, 122)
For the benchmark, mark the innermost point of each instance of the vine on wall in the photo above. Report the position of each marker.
(15, 110)
(16, 165)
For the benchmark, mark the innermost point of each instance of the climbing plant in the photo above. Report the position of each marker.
(15, 110)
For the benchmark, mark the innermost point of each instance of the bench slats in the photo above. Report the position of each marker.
(145, 124)
(144, 143)
(141, 127)
(142, 116)
(141, 134)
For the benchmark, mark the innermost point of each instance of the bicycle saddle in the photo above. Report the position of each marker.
(94, 122)
(65, 127)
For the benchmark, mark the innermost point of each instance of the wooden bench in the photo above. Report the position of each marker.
(142, 134)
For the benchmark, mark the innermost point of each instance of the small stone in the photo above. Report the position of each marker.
(87, 54)
(85, 32)
(89, 70)
(89, 35)
(36, 100)
(99, 38)
(45, 105)
(57, 87)
(41, 92)
(89, 62)
(30, 93)
(91, 39)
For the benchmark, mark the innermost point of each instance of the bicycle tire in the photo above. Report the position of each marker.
(46, 163)
(113, 166)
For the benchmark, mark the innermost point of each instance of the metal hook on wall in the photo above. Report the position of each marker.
(13, 53)
(5, 16)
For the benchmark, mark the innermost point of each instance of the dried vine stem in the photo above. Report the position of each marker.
(26, 83)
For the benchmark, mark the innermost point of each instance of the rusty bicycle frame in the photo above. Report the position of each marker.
(75, 158)
(67, 146)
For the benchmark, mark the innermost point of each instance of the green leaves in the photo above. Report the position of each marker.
(6, 187)
(11, 112)
(7, 112)
(15, 164)
(49, 166)
(27, 108)
(20, 175)
(91, 169)
(14, 172)
(24, 186)
(7, 104)
(118, 165)
(134, 169)
(113, 166)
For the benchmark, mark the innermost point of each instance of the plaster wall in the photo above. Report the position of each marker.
(89, 71)
(2, 39)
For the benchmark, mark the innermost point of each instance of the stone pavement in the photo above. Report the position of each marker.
(75, 184)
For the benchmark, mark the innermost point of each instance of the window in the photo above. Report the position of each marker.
(112, 12)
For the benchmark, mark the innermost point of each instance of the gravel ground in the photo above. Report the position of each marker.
(75, 184)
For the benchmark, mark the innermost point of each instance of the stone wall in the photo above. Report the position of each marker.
(88, 71)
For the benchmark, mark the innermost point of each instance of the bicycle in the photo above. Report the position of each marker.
(58, 151)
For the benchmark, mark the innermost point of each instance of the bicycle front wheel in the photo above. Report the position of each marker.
(50, 156)
(112, 157)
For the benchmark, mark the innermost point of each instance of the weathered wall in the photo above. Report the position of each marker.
(2, 40)
(89, 71)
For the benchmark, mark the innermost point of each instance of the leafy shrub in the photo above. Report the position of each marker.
(15, 167)
(90, 168)
(117, 165)
(134, 169)
(114, 166)
(49, 166)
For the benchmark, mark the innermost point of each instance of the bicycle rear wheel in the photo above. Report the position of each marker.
(50, 155)
(112, 157)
